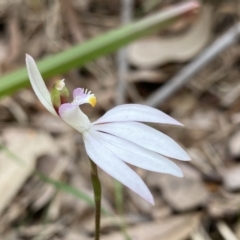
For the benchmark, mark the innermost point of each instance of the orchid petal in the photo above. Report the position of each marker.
(38, 85)
(72, 115)
(138, 156)
(115, 167)
(146, 137)
(81, 96)
(138, 113)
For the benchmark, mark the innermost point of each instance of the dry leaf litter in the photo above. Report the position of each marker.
(205, 205)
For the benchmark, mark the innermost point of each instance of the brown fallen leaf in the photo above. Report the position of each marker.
(231, 179)
(188, 104)
(199, 160)
(140, 204)
(46, 192)
(39, 231)
(109, 223)
(232, 95)
(147, 76)
(234, 144)
(173, 228)
(184, 194)
(50, 123)
(235, 118)
(76, 236)
(18, 158)
(223, 204)
(155, 51)
(181, 194)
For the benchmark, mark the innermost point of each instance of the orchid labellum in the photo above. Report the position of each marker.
(118, 137)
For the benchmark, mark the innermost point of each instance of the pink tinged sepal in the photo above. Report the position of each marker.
(145, 137)
(138, 156)
(38, 85)
(72, 115)
(114, 166)
(138, 113)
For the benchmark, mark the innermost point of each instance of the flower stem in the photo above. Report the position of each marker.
(97, 198)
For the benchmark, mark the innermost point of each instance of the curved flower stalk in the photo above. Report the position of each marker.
(118, 137)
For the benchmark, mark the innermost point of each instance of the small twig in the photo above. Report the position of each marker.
(226, 232)
(213, 156)
(218, 46)
(200, 234)
(16, 110)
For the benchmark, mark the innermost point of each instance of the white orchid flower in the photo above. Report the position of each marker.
(118, 136)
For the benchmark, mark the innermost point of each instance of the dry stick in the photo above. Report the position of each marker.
(200, 234)
(218, 46)
(225, 231)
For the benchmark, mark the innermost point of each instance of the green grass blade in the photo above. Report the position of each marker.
(66, 188)
(81, 54)
(11, 155)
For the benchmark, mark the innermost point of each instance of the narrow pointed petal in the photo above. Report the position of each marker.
(138, 113)
(146, 137)
(115, 167)
(72, 115)
(38, 85)
(138, 156)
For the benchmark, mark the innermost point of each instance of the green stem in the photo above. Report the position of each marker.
(97, 198)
